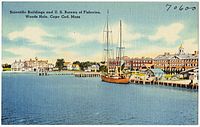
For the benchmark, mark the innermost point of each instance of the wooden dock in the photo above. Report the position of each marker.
(60, 73)
(43, 73)
(165, 83)
(87, 74)
(46, 73)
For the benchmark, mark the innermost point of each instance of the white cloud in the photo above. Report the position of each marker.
(168, 33)
(127, 33)
(190, 45)
(151, 51)
(23, 53)
(33, 34)
(81, 37)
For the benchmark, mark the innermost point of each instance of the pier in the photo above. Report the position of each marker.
(166, 83)
(47, 73)
(42, 73)
(87, 74)
(60, 73)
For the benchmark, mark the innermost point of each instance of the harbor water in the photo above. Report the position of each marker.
(66, 99)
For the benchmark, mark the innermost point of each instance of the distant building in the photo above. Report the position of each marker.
(72, 67)
(35, 64)
(75, 67)
(189, 72)
(50, 66)
(31, 65)
(140, 63)
(154, 73)
(175, 63)
(67, 66)
(93, 68)
(132, 63)
(17, 66)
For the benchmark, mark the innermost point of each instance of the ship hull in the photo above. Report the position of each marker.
(114, 80)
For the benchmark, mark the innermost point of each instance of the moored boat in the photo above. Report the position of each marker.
(118, 77)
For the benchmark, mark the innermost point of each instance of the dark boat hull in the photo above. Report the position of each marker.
(114, 80)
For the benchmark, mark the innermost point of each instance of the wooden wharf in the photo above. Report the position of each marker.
(165, 83)
(46, 73)
(87, 74)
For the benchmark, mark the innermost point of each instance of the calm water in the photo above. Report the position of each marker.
(32, 99)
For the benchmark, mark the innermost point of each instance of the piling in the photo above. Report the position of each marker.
(172, 84)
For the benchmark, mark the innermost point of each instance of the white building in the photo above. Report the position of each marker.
(17, 66)
(50, 67)
(93, 68)
(31, 65)
(35, 64)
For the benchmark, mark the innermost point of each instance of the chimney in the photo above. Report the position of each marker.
(166, 53)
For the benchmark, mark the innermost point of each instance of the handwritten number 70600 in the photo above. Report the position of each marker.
(179, 7)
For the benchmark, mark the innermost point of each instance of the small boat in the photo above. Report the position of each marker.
(118, 77)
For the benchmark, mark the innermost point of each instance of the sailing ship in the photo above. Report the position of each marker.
(118, 77)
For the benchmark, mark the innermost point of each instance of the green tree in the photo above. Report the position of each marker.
(102, 62)
(6, 65)
(77, 62)
(60, 64)
(103, 68)
(84, 65)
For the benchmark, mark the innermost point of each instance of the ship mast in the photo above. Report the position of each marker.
(120, 46)
(107, 42)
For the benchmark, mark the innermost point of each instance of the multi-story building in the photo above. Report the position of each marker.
(116, 62)
(17, 66)
(175, 63)
(31, 65)
(132, 63)
(140, 63)
(35, 64)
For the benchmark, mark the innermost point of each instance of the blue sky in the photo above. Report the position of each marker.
(148, 30)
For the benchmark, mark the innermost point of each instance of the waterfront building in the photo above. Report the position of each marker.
(17, 66)
(55, 69)
(132, 63)
(67, 66)
(50, 66)
(140, 63)
(158, 73)
(175, 63)
(92, 68)
(75, 67)
(35, 64)
(187, 73)
(31, 65)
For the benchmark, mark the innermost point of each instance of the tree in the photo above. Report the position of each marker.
(102, 62)
(77, 62)
(103, 68)
(60, 64)
(6, 65)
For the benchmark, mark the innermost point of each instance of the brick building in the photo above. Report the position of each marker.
(175, 63)
(131, 63)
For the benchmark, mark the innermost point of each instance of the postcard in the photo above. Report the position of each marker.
(100, 63)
